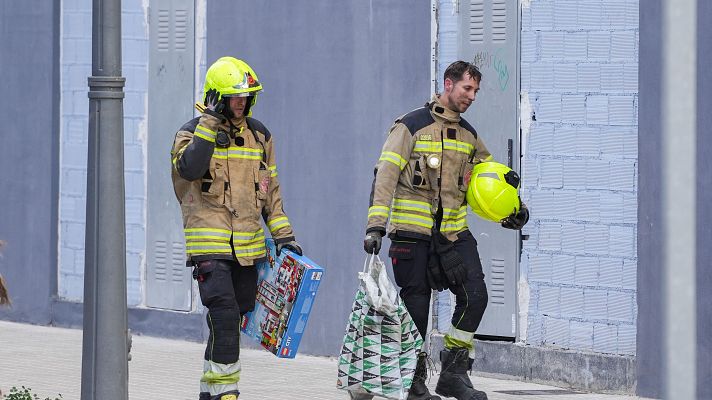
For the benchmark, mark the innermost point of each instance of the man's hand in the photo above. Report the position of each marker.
(372, 242)
(214, 105)
(291, 245)
(517, 220)
(453, 266)
(436, 280)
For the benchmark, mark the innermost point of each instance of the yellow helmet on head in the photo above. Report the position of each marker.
(232, 78)
(492, 191)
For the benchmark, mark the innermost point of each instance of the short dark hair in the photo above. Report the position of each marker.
(456, 70)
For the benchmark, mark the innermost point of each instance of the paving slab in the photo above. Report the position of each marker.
(48, 360)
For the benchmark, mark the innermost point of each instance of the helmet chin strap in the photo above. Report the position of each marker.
(248, 105)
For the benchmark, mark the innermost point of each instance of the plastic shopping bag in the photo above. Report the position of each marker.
(381, 344)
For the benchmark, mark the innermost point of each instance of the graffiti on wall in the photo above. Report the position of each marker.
(493, 61)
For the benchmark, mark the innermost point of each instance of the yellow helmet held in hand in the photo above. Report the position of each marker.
(492, 191)
(232, 78)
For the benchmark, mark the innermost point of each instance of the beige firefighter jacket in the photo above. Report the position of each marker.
(225, 192)
(407, 193)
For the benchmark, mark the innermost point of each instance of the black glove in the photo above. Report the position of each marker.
(372, 242)
(434, 274)
(214, 105)
(517, 220)
(291, 245)
(451, 261)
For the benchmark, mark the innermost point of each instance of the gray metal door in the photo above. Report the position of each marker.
(489, 37)
(170, 96)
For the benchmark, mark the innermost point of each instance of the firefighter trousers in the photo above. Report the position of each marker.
(228, 290)
(410, 260)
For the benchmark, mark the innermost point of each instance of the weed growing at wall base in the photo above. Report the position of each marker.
(25, 393)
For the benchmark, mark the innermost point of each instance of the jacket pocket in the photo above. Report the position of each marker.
(463, 179)
(402, 254)
(214, 185)
(262, 184)
(419, 174)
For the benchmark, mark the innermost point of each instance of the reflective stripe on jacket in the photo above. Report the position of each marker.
(405, 189)
(224, 193)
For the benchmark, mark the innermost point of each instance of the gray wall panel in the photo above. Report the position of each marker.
(28, 156)
(336, 74)
(704, 199)
(650, 233)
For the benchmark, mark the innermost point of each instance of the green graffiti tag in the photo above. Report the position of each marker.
(488, 60)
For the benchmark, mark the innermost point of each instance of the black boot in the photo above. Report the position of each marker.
(418, 390)
(231, 395)
(454, 381)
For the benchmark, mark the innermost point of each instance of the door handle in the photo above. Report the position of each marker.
(510, 149)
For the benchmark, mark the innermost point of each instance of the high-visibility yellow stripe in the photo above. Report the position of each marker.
(207, 247)
(208, 244)
(247, 233)
(463, 147)
(203, 237)
(394, 158)
(205, 133)
(238, 152)
(204, 137)
(378, 211)
(207, 231)
(489, 158)
(205, 130)
(277, 223)
(250, 250)
(208, 251)
(410, 202)
(213, 378)
(412, 219)
(257, 238)
(187, 230)
(456, 338)
(450, 213)
(450, 226)
(423, 146)
(273, 169)
(412, 205)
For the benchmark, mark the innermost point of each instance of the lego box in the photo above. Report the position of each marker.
(286, 288)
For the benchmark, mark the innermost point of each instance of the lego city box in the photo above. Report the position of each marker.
(286, 288)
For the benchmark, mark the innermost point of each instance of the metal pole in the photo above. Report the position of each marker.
(105, 342)
(679, 100)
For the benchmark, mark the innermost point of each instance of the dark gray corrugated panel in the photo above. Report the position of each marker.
(704, 199)
(336, 74)
(28, 156)
(650, 231)
(650, 318)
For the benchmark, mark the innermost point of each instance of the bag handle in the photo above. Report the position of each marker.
(369, 261)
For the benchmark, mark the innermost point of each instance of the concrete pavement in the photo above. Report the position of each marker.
(48, 360)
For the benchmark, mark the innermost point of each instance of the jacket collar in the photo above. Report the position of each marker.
(440, 112)
(236, 122)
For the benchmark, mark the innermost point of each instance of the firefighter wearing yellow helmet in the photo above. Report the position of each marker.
(225, 178)
(418, 197)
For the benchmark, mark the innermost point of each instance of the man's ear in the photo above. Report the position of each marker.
(448, 85)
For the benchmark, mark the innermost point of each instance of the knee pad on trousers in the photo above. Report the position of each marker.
(417, 302)
(224, 341)
(470, 307)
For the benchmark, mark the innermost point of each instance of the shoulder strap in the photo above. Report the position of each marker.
(251, 127)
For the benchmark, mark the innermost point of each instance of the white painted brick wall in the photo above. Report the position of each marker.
(75, 49)
(579, 69)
